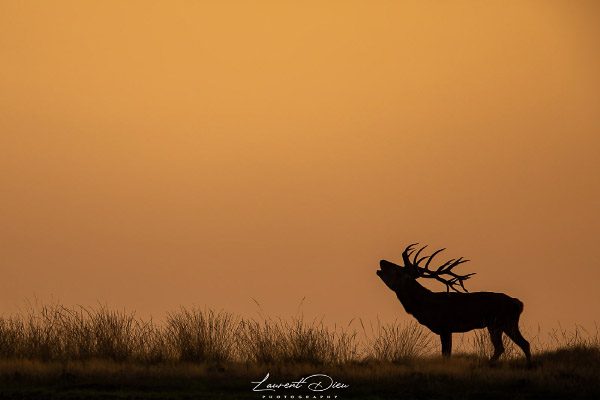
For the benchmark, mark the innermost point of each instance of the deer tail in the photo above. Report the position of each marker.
(520, 306)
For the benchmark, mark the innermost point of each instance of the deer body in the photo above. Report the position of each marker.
(457, 312)
(447, 312)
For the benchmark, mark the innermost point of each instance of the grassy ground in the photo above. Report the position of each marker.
(567, 374)
(72, 353)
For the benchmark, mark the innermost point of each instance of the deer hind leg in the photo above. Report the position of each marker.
(446, 344)
(514, 333)
(496, 336)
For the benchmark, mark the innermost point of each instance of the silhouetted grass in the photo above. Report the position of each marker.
(55, 348)
(59, 333)
(197, 335)
(394, 342)
(279, 341)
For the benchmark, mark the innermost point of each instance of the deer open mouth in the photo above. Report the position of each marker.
(384, 265)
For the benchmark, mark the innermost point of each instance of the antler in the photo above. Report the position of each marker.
(444, 269)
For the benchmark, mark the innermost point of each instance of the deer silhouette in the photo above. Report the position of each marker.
(452, 311)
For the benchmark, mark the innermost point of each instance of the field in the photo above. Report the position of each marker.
(76, 352)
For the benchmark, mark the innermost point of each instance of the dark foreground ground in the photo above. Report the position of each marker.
(563, 374)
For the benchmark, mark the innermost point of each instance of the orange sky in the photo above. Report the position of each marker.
(163, 153)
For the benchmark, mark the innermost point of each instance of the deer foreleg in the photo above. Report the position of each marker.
(446, 344)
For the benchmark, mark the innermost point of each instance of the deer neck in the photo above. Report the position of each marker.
(412, 295)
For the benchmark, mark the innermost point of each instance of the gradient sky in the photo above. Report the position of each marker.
(163, 153)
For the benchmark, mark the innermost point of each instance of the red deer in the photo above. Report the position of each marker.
(456, 311)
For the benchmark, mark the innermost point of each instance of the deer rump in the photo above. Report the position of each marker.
(461, 312)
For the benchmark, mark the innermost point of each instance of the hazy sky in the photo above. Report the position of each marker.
(163, 153)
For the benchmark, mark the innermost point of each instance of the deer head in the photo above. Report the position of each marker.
(395, 276)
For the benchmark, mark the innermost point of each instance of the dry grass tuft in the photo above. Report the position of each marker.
(55, 333)
(396, 342)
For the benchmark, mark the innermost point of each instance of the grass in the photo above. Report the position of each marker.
(53, 351)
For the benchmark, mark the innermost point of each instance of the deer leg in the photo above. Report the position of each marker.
(446, 344)
(514, 333)
(496, 336)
